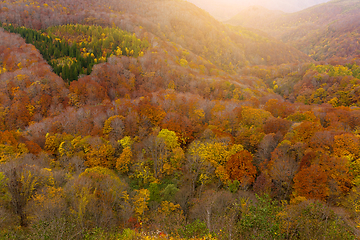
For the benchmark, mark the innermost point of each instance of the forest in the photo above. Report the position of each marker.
(120, 120)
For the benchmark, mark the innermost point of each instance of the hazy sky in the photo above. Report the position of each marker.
(225, 9)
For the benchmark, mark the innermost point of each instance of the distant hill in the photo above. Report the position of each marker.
(226, 9)
(256, 17)
(323, 31)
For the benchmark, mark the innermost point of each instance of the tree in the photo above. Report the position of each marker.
(274, 125)
(164, 151)
(279, 108)
(260, 220)
(340, 175)
(311, 183)
(282, 168)
(98, 198)
(49, 204)
(265, 148)
(240, 167)
(305, 131)
(212, 157)
(100, 153)
(170, 217)
(21, 186)
(140, 201)
(195, 167)
(250, 138)
(114, 127)
(346, 145)
(252, 117)
(22, 182)
(312, 219)
(155, 114)
(263, 184)
(125, 159)
(33, 148)
(322, 140)
(209, 208)
(180, 124)
(4, 194)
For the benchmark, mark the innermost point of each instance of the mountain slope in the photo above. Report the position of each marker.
(173, 21)
(322, 31)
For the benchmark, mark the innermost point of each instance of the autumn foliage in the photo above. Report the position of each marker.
(124, 121)
(240, 167)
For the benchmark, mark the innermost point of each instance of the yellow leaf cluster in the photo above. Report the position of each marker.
(140, 201)
(169, 208)
(3, 70)
(123, 162)
(126, 142)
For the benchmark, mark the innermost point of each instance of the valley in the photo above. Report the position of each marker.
(150, 119)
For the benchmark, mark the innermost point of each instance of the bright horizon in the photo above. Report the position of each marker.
(225, 9)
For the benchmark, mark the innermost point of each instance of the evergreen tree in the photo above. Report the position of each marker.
(65, 74)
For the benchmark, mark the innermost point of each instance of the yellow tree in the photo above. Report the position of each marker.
(252, 117)
(98, 196)
(216, 154)
(347, 145)
(21, 182)
(126, 157)
(101, 153)
(140, 202)
(123, 162)
(170, 216)
(164, 152)
(211, 154)
(304, 131)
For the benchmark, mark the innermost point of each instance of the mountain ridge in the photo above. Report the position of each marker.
(323, 31)
(224, 10)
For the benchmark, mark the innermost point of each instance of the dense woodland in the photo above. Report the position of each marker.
(114, 127)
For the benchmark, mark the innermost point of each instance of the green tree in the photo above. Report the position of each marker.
(260, 220)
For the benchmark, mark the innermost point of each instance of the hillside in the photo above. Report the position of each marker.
(175, 21)
(323, 31)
